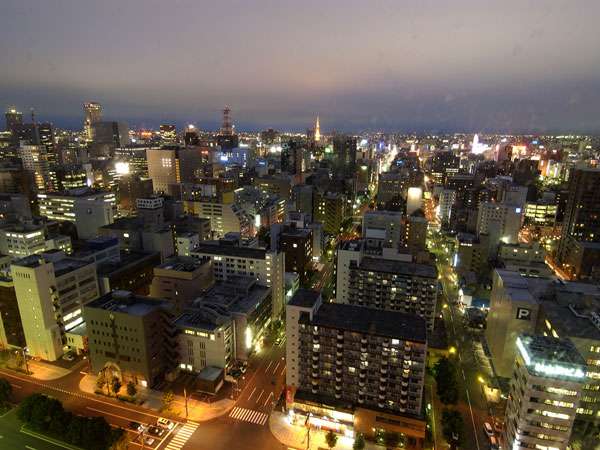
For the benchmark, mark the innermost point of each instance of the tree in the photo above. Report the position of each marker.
(331, 439)
(452, 427)
(391, 439)
(116, 385)
(19, 360)
(167, 400)
(131, 389)
(445, 378)
(359, 442)
(25, 410)
(100, 382)
(5, 392)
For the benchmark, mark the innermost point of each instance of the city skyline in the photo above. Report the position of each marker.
(397, 67)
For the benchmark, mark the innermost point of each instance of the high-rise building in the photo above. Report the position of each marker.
(92, 114)
(578, 250)
(227, 139)
(330, 210)
(317, 130)
(46, 137)
(52, 290)
(13, 118)
(545, 389)
(163, 168)
(344, 150)
(35, 161)
(355, 367)
(500, 221)
(113, 134)
(382, 228)
(389, 284)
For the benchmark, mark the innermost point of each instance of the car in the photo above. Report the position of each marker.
(243, 369)
(498, 427)
(166, 423)
(136, 426)
(149, 441)
(487, 428)
(278, 341)
(494, 443)
(68, 357)
(156, 431)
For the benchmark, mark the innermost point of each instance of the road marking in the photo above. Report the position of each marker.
(472, 419)
(18, 386)
(182, 436)
(247, 415)
(268, 398)
(252, 393)
(282, 370)
(275, 369)
(267, 369)
(30, 448)
(261, 394)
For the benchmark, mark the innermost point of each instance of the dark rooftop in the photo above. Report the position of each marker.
(304, 298)
(218, 248)
(361, 319)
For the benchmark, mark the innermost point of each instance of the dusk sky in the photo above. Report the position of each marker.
(472, 65)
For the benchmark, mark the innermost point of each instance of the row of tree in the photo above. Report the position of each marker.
(47, 415)
(444, 373)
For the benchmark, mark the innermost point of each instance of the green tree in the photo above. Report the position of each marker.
(331, 439)
(5, 392)
(116, 385)
(167, 400)
(131, 389)
(359, 442)
(452, 427)
(391, 439)
(25, 409)
(445, 378)
(75, 430)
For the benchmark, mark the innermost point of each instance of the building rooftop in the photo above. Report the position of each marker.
(183, 263)
(239, 294)
(305, 298)
(378, 322)
(397, 267)
(226, 249)
(128, 303)
(127, 259)
(550, 356)
(62, 264)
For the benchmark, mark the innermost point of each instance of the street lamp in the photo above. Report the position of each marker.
(25, 351)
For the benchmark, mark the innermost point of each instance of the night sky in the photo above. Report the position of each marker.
(423, 65)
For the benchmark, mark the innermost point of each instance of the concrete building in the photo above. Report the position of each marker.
(471, 253)
(501, 222)
(389, 284)
(52, 291)
(414, 235)
(382, 228)
(296, 245)
(163, 168)
(230, 259)
(132, 337)
(225, 216)
(447, 200)
(21, 241)
(414, 200)
(181, 279)
(132, 271)
(340, 363)
(186, 243)
(542, 213)
(113, 134)
(330, 210)
(11, 327)
(88, 210)
(527, 259)
(544, 394)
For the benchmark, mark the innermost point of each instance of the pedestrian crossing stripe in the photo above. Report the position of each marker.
(249, 415)
(182, 436)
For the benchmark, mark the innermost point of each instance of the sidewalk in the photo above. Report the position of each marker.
(46, 372)
(197, 411)
(294, 436)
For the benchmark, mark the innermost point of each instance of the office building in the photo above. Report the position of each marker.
(447, 200)
(297, 246)
(330, 210)
(168, 134)
(414, 200)
(87, 209)
(19, 241)
(579, 249)
(546, 386)
(389, 284)
(471, 253)
(414, 234)
(134, 234)
(181, 279)
(113, 134)
(356, 369)
(542, 213)
(382, 228)
(344, 150)
(13, 118)
(500, 221)
(527, 259)
(51, 291)
(231, 258)
(132, 335)
(224, 214)
(11, 327)
(35, 161)
(163, 169)
(92, 115)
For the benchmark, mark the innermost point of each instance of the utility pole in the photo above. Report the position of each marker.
(25, 359)
(186, 402)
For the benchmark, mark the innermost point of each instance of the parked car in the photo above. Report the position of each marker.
(68, 357)
(149, 441)
(136, 426)
(166, 423)
(494, 443)
(156, 431)
(489, 431)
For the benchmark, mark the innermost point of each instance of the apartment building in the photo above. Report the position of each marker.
(357, 369)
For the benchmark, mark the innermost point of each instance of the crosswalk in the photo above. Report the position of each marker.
(248, 415)
(182, 436)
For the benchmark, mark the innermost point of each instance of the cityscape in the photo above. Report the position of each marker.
(230, 271)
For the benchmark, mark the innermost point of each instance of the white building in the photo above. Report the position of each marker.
(51, 291)
(548, 376)
(230, 259)
(225, 217)
(19, 243)
(500, 221)
(446, 202)
(87, 209)
(382, 228)
(414, 200)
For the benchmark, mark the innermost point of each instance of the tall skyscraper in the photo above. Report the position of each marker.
(227, 126)
(317, 130)
(577, 252)
(93, 114)
(168, 134)
(14, 118)
(226, 138)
